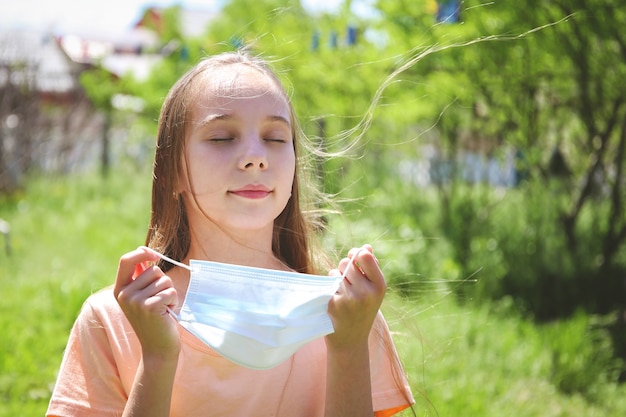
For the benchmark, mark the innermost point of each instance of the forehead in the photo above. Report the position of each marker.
(239, 81)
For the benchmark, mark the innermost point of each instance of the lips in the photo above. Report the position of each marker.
(252, 191)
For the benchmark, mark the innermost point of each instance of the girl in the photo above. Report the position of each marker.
(226, 189)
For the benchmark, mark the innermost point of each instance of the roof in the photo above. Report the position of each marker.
(132, 52)
(193, 22)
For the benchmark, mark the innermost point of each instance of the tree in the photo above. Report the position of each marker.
(100, 86)
(544, 78)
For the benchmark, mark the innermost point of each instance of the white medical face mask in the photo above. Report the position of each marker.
(255, 317)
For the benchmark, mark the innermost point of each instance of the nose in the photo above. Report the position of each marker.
(254, 155)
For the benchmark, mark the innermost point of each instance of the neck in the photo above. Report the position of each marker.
(246, 247)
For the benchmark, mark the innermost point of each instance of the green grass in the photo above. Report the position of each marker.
(67, 236)
(486, 361)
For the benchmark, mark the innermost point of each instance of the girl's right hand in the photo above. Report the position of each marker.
(144, 295)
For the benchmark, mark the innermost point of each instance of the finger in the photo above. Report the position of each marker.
(151, 276)
(364, 266)
(367, 264)
(128, 266)
(142, 286)
(366, 248)
(355, 251)
(343, 265)
(151, 291)
(166, 297)
(334, 273)
(352, 256)
(160, 294)
(369, 248)
(352, 252)
(349, 262)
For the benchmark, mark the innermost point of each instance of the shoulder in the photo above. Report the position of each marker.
(101, 309)
(99, 362)
(384, 359)
(102, 301)
(380, 331)
(102, 329)
(390, 387)
(102, 298)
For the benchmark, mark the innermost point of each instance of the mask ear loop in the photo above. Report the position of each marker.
(344, 276)
(173, 262)
(165, 258)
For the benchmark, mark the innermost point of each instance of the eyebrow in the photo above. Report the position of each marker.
(225, 117)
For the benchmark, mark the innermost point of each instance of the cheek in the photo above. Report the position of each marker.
(289, 168)
(201, 174)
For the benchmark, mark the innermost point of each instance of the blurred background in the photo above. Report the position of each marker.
(488, 173)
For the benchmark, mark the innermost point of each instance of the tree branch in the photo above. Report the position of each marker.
(615, 233)
(597, 162)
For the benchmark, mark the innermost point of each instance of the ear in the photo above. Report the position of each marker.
(181, 182)
(180, 187)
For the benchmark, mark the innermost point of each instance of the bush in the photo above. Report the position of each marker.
(582, 355)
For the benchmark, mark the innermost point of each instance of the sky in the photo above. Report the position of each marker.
(97, 16)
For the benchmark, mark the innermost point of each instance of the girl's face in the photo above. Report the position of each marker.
(239, 156)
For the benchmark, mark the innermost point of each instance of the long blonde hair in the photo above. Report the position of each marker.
(168, 231)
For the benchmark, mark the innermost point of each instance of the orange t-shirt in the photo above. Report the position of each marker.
(103, 353)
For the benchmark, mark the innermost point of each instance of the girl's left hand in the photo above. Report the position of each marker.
(355, 305)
